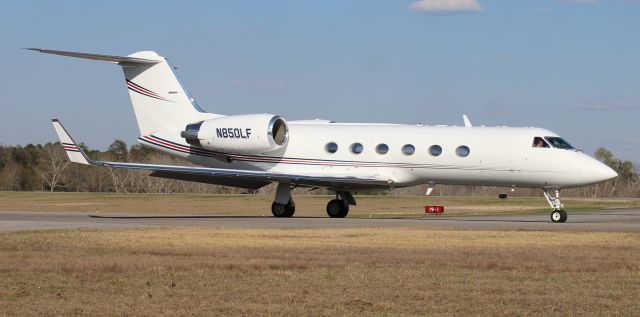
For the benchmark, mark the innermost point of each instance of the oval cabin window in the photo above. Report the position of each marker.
(435, 150)
(463, 151)
(331, 147)
(408, 149)
(356, 148)
(382, 148)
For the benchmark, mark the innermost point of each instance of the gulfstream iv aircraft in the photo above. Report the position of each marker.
(254, 150)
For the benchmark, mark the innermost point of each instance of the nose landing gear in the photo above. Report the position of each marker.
(553, 197)
(559, 216)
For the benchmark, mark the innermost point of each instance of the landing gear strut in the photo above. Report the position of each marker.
(339, 207)
(553, 197)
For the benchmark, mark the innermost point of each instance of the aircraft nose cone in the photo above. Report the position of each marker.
(603, 173)
(608, 173)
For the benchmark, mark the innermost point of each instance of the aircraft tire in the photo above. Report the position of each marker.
(558, 216)
(564, 216)
(337, 208)
(282, 210)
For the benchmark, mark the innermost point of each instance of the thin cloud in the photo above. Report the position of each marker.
(445, 6)
(606, 106)
(598, 1)
(631, 140)
(582, 1)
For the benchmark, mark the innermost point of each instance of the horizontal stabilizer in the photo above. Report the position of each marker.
(109, 58)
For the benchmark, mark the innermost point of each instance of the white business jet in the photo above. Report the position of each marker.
(251, 151)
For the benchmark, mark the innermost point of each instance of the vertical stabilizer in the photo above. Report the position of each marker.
(160, 100)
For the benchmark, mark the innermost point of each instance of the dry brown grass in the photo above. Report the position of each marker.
(319, 272)
(306, 205)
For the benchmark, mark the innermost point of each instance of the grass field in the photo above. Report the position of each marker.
(319, 272)
(314, 272)
(306, 205)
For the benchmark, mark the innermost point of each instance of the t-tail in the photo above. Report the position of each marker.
(160, 100)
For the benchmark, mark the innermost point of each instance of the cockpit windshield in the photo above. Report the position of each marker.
(559, 143)
(539, 142)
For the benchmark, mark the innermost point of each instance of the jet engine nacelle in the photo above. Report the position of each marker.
(246, 134)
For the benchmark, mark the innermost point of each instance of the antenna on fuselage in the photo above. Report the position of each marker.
(467, 123)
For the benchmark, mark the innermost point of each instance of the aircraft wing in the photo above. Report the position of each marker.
(224, 176)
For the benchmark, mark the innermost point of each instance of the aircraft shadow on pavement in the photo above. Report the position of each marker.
(482, 220)
(542, 220)
(195, 217)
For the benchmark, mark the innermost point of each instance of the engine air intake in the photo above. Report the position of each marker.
(278, 130)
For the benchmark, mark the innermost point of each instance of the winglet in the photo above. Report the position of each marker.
(74, 152)
(467, 123)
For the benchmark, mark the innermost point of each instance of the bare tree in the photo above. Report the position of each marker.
(52, 165)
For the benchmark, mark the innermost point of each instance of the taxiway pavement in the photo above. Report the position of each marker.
(604, 220)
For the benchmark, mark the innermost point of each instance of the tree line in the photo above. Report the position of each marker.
(37, 167)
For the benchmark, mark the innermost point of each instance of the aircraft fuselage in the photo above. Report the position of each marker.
(497, 156)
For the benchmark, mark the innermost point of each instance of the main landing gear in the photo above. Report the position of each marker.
(553, 197)
(284, 206)
(339, 207)
(283, 210)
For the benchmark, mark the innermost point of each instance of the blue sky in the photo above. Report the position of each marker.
(569, 66)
